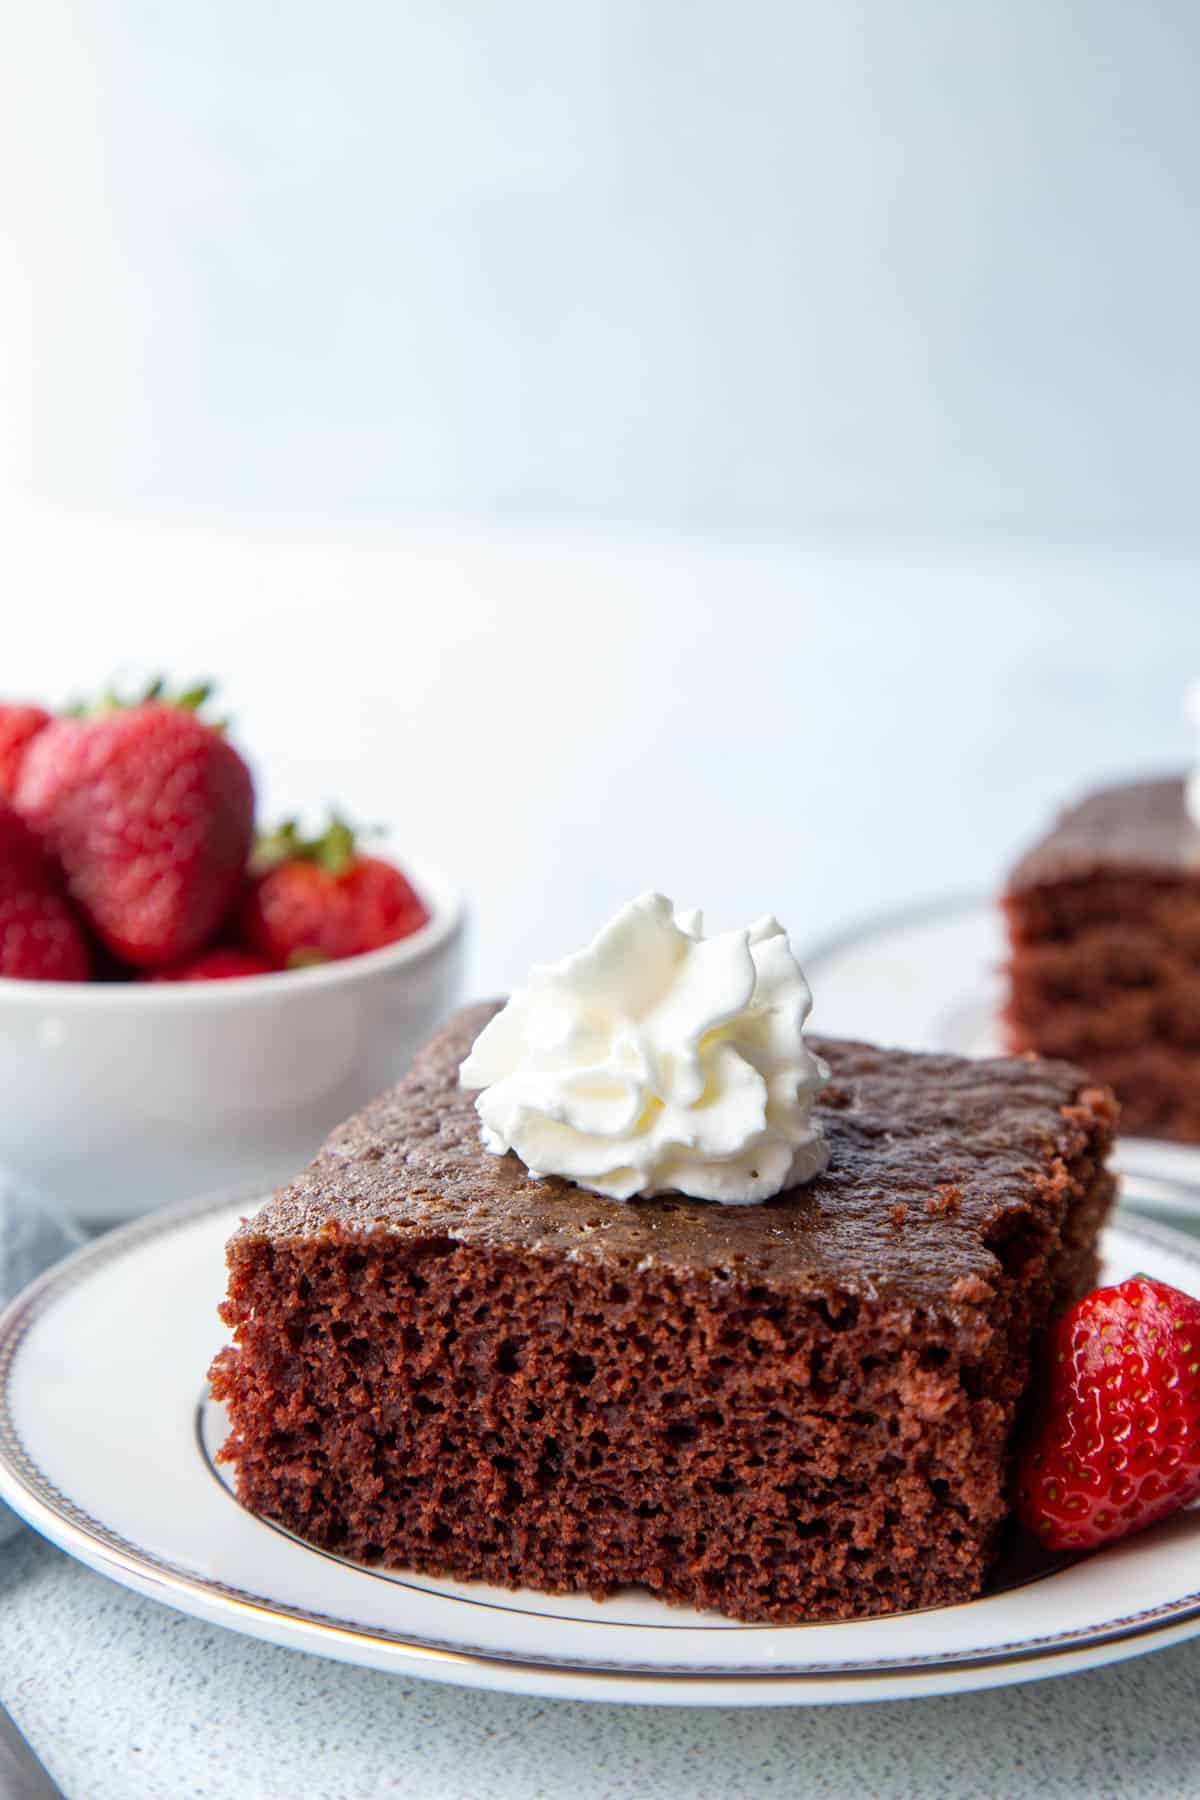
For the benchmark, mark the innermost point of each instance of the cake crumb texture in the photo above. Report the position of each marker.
(803, 1409)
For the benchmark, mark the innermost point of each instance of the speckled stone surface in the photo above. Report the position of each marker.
(126, 1700)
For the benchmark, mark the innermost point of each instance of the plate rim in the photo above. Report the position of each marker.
(35, 1496)
(887, 919)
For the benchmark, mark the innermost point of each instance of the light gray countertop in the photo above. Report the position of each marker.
(122, 1697)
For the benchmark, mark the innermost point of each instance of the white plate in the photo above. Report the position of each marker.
(929, 978)
(106, 1447)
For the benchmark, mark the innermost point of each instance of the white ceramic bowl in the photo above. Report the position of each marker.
(118, 1097)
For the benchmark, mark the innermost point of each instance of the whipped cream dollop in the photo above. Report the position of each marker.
(656, 1061)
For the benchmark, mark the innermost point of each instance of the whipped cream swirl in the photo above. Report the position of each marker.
(658, 1061)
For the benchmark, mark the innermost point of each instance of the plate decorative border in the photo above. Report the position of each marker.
(32, 1492)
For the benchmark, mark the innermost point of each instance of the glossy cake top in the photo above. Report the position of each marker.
(1140, 826)
(931, 1157)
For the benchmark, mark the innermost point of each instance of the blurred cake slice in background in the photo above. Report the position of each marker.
(1104, 932)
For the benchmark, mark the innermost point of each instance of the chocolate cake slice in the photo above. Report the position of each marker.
(801, 1409)
(1104, 927)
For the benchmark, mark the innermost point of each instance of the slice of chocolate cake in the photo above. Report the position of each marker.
(800, 1409)
(1104, 926)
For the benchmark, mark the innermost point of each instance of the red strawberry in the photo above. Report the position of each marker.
(1117, 1445)
(150, 812)
(221, 964)
(19, 725)
(40, 937)
(319, 900)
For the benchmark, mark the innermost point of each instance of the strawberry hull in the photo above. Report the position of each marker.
(323, 901)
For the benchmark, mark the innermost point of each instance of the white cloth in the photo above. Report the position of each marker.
(32, 1236)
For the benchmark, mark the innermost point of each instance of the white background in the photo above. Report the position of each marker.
(747, 451)
(806, 728)
(886, 263)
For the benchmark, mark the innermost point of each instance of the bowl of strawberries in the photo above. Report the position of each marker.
(186, 1000)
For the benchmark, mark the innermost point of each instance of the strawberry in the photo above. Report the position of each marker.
(150, 811)
(40, 937)
(221, 964)
(1117, 1444)
(320, 900)
(19, 725)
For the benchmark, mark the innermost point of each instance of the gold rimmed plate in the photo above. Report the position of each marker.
(104, 1449)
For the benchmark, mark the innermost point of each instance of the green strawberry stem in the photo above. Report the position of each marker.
(156, 692)
(334, 849)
